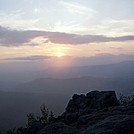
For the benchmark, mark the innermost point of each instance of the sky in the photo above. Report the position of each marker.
(51, 30)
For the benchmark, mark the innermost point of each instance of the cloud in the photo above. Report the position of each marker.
(76, 8)
(117, 48)
(99, 59)
(103, 58)
(9, 37)
(116, 27)
(30, 58)
(16, 19)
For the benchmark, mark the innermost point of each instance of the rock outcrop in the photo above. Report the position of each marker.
(93, 100)
(97, 112)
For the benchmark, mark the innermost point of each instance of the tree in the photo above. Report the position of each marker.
(45, 114)
(11, 131)
(30, 119)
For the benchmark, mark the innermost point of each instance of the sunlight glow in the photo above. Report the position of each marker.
(59, 54)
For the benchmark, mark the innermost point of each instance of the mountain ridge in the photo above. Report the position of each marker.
(79, 85)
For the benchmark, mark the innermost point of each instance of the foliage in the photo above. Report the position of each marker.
(125, 100)
(30, 119)
(11, 131)
(45, 117)
(51, 117)
(45, 113)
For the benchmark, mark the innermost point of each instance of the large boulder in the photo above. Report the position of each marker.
(81, 105)
(93, 100)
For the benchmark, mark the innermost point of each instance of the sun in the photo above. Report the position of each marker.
(59, 54)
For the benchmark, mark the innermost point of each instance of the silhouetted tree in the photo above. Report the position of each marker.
(30, 119)
(45, 114)
(11, 131)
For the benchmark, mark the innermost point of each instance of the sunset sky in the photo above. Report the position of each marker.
(45, 29)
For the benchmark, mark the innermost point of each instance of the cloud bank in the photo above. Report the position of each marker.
(98, 59)
(10, 37)
(30, 58)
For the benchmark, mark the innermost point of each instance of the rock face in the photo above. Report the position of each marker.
(93, 100)
(117, 124)
(81, 105)
(97, 112)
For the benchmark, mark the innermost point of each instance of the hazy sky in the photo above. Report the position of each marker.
(78, 28)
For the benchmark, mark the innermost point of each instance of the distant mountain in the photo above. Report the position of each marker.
(79, 85)
(117, 70)
(8, 85)
(69, 79)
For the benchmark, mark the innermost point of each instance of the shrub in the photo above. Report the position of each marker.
(11, 131)
(30, 119)
(44, 114)
(125, 100)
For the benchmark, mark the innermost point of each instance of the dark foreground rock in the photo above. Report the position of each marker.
(116, 124)
(93, 100)
(93, 113)
(59, 128)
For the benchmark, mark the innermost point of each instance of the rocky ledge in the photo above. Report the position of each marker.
(97, 112)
